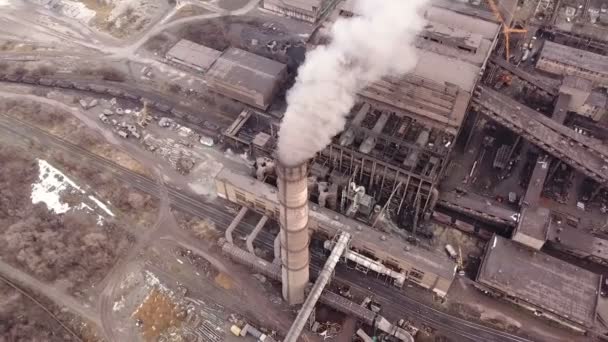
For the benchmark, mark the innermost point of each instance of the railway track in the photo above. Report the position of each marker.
(585, 154)
(394, 302)
(396, 305)
(42, 306)
(155, 100)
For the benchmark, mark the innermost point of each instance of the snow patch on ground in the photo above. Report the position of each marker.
(50, 186)
(51, 183)
(101, 205)
(84, 206)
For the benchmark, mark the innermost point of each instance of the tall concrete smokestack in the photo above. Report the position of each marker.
(293, 196)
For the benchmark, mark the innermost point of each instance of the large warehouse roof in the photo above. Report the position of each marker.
(535, 222)
(463, 22)
(444, 69)
(451, 50)
(576, 240)
(541, 280)
(193, 55)
(246, 77)
(575, 57)
(308, 5)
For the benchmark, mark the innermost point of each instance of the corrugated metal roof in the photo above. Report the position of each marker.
(463, 22)
(194, 54)
(597, 99)
(575, 57)
(306, 5)
(448, 34)
(577, 83)
(542, 280)
(440, 68)
(247, 71)
(535, 220)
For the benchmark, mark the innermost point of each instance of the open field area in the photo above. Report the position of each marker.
(65, 237)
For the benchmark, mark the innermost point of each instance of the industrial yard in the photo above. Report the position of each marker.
(304, 170)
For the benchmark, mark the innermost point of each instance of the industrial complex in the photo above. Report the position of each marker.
(305, 170)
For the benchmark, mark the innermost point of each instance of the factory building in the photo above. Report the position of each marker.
(400, 133)
(579, 90)
(246, 77)
(533, 228)
(427, 269)
(564, 237)
(452, 49)
(550, 287)
(585, 100)
(568, 61)
(307, 10)
(596, 106)
(192, 55)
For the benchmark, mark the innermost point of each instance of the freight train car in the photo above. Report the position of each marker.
(422, 267)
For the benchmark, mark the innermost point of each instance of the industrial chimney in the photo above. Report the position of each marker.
(293, 197)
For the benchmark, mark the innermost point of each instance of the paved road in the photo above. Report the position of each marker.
(394, 302)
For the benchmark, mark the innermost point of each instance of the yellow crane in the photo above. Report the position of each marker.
(506, 30)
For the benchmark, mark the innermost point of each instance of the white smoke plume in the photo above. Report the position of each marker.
(363, 49)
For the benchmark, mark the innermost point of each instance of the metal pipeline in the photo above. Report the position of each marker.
(255, 233)
(235, 223)
(324, 276)
(370, 264)
(259, 265)
(277, 249)
(273, 271)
